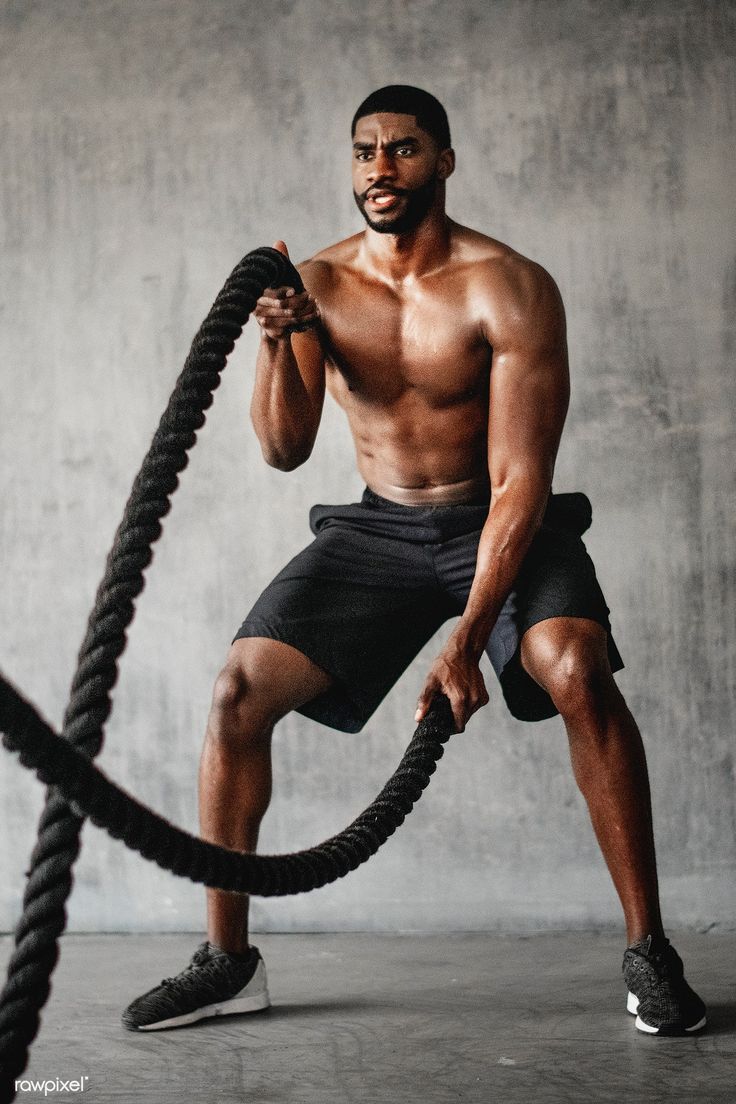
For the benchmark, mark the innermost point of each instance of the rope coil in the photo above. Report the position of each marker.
(79, 789)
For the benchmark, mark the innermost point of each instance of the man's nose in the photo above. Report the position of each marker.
(383, 166)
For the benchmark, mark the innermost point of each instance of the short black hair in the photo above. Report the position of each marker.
(405, 99)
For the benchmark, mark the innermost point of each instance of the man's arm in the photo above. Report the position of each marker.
(289, 390)
(529, 394)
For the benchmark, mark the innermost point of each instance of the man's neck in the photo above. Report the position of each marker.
(401, 257)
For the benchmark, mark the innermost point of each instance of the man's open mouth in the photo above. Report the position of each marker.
(383, 199)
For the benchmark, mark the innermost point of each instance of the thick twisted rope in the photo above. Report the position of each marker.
(57, 762)
(49, 881)
(65, 761)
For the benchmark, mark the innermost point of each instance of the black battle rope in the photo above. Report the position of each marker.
(66, 761)
(57, 762)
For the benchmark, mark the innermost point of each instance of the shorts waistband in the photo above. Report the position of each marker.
(372, 499)
(569, 510)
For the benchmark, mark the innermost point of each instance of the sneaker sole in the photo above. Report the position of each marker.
(632, 1006)
(256, 1003)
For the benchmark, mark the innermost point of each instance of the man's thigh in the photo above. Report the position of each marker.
(339, 604)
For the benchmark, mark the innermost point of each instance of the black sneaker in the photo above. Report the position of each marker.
(213, 984)
(659, 996)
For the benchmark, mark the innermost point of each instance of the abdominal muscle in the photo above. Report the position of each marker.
(421, 456)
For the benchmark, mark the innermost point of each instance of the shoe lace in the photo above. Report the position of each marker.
(665, 961)
(187, 979)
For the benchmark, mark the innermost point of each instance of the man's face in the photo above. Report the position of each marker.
(397, 167)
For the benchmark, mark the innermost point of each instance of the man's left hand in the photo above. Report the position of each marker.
(456, 674)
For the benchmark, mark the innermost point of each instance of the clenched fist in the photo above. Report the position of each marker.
(282, 311)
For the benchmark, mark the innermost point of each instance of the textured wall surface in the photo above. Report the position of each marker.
(144, 148)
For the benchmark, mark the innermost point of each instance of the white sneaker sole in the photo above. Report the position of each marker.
(254, 1001)
(632, 1006)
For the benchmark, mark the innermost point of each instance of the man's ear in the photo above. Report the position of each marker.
(446, 164)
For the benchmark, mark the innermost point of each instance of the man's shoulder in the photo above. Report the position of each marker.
(495, 261)
(322, 266)
(505, 283)
(512, 292)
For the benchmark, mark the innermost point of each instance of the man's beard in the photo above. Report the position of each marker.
(417, 204)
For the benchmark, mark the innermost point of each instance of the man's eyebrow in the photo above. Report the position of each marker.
(410, 141)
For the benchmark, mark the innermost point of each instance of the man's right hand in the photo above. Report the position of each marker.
(280, 311)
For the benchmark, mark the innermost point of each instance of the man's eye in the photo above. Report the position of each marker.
(405, 151)
(362, 155)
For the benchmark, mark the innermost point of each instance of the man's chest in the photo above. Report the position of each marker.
(383, 342)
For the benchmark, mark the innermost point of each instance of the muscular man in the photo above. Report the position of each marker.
(446, 350)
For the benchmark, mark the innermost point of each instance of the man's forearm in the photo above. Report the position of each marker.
(513, 519)
(283, 414)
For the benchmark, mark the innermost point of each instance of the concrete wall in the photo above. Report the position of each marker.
(144, 148)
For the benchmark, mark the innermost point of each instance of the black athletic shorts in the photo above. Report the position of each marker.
(380, 578)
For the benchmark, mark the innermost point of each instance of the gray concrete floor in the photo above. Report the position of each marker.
(395, 1019)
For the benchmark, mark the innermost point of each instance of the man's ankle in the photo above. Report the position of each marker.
(239, 951)
(653, 935)
(639, 930)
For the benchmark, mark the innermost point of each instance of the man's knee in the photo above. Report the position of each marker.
(581, 686)
(238, 719)
(573, 667)
(261, 682)
(231, 690)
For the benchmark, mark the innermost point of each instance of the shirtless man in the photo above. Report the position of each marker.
(446, 349)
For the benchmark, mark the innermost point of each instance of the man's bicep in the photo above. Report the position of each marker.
(529, 396)
(530, 384)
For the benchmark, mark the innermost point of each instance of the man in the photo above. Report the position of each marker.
(446, 349)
